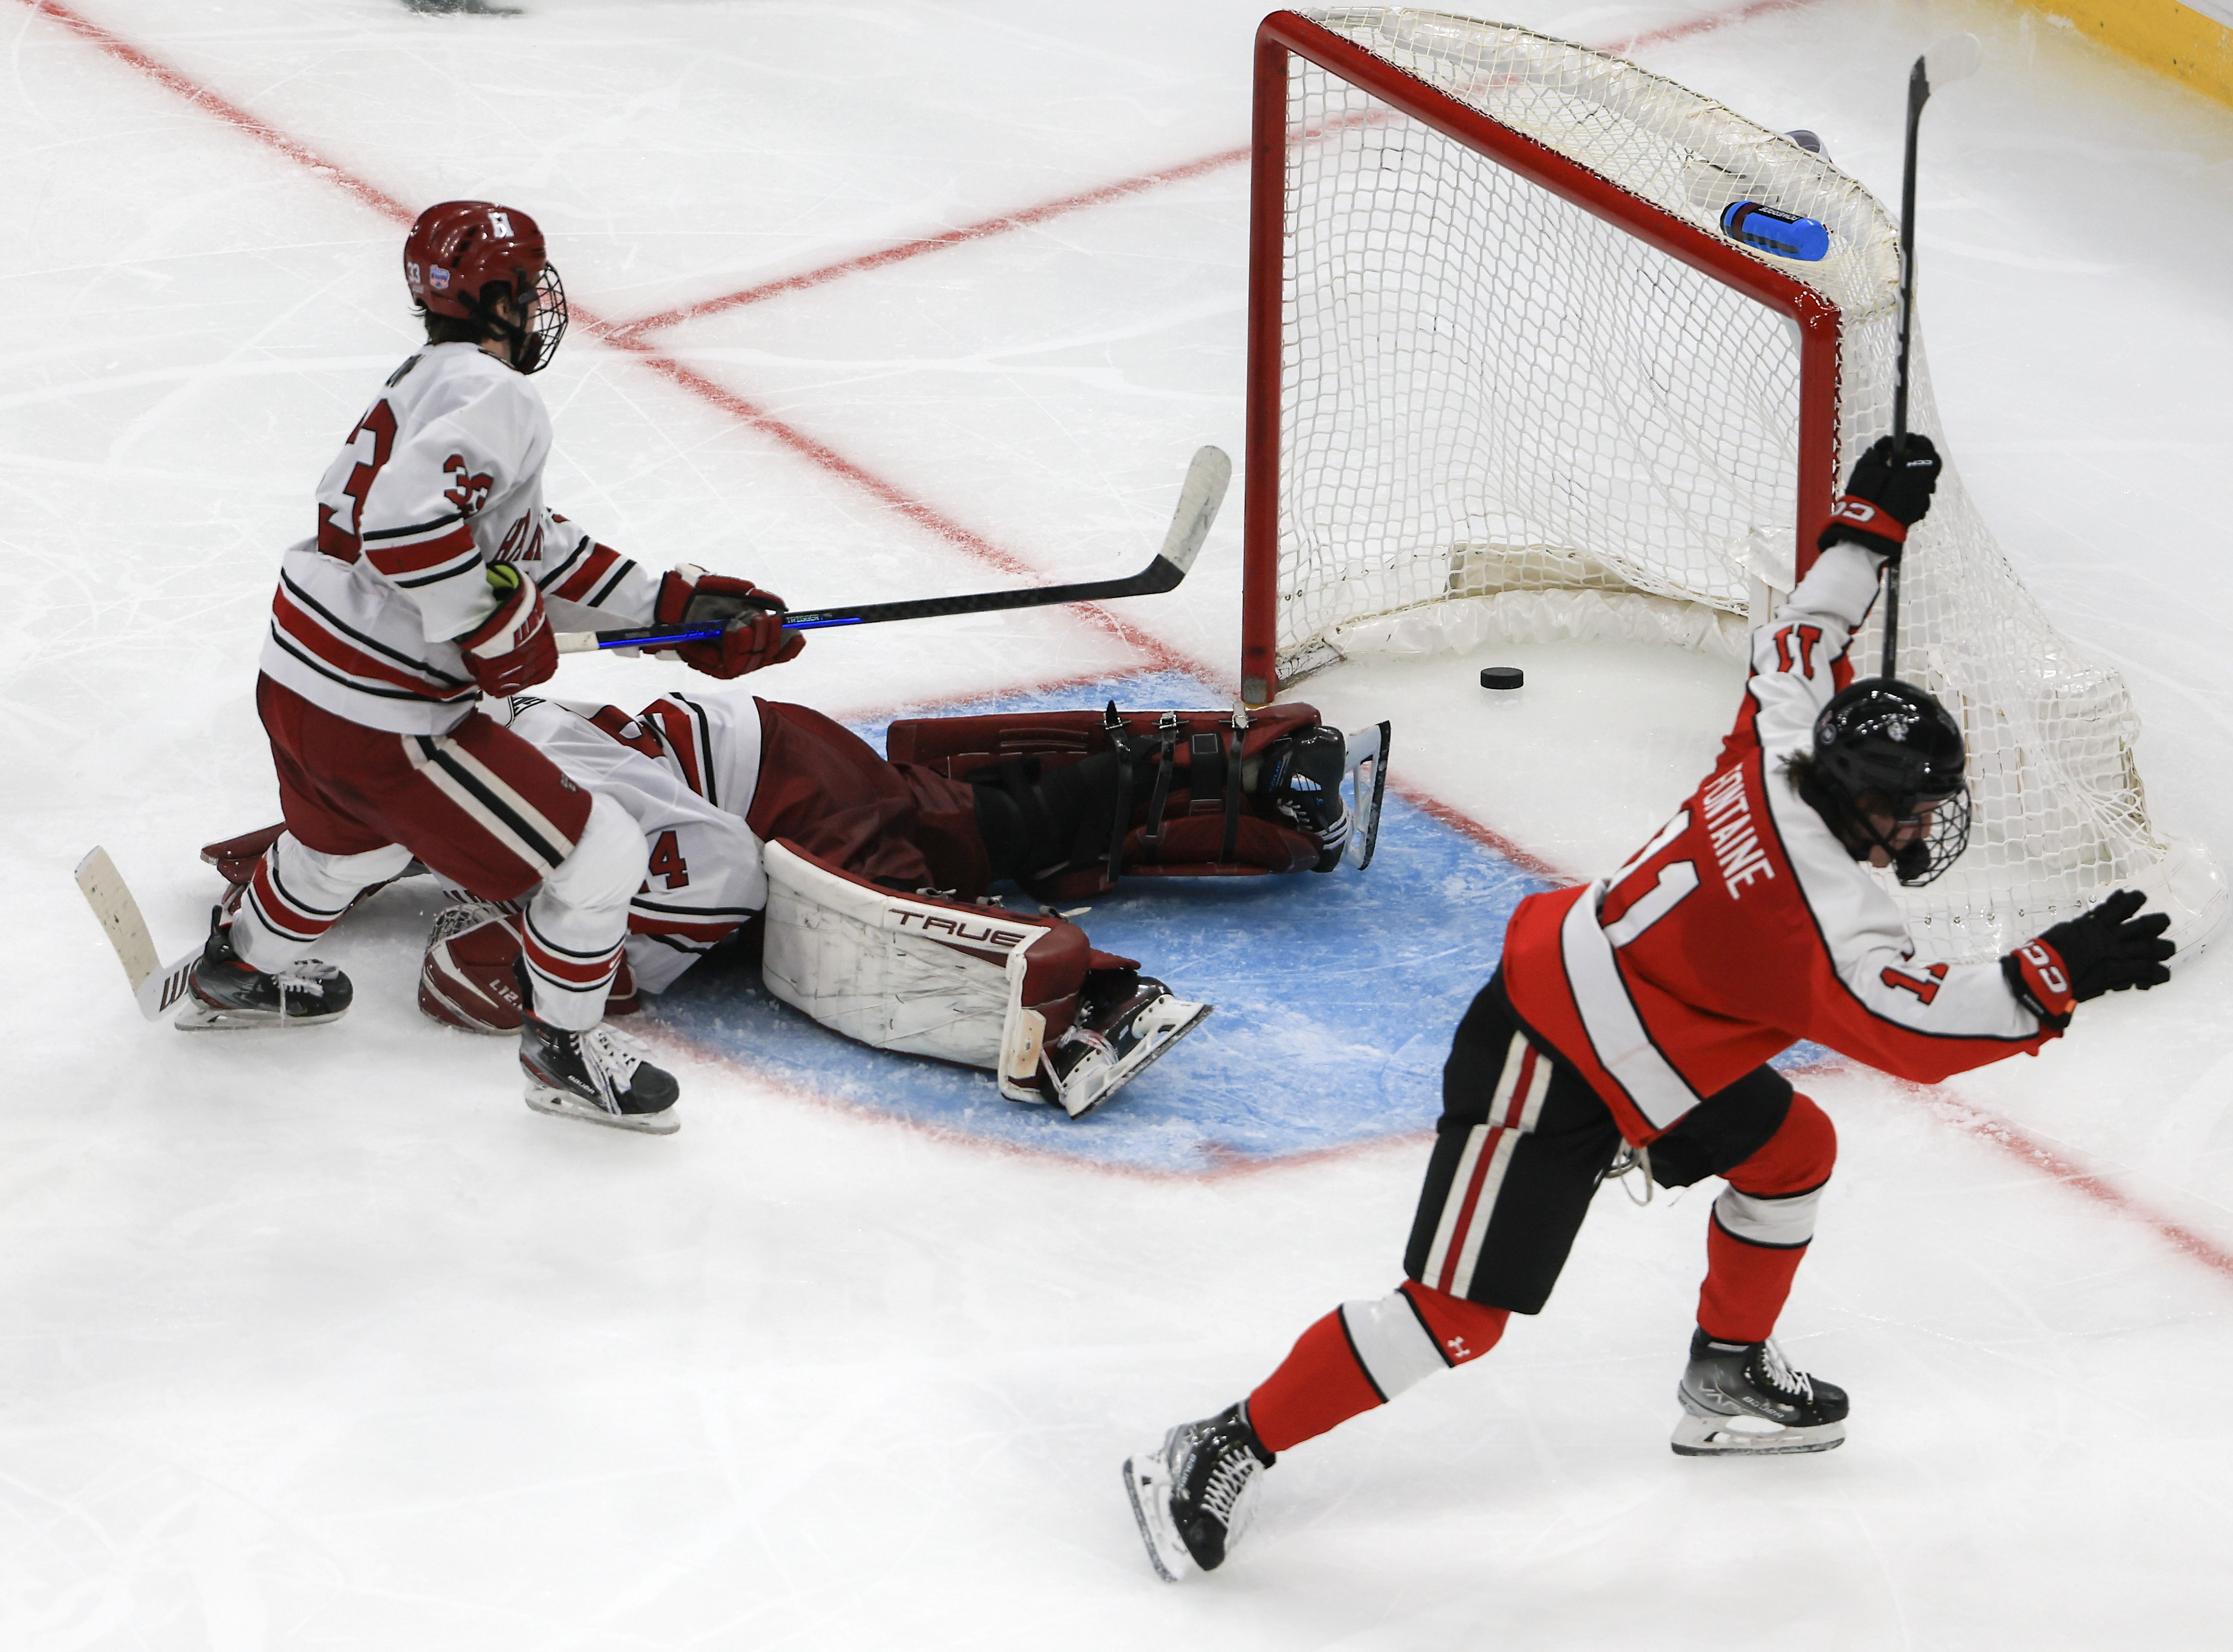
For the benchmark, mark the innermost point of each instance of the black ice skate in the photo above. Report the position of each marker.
(1125, 1022)
(225, 993)
(1195, 1495)
(1300, 777)
(600, 1075)
(1745, 1397)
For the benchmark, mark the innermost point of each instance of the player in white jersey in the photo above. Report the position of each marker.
(873, 874)
(432, 579)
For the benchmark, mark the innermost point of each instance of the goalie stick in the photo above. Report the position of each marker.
(156, 987)
(1954, 58)
(1204, 490)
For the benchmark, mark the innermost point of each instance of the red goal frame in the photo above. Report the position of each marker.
(1284, 33)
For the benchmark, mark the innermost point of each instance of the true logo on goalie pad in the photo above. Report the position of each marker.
(939, 926)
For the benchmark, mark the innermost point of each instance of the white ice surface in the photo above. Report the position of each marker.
(327, 1342)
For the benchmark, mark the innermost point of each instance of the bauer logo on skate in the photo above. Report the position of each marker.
(1736, 845)
(940, 926)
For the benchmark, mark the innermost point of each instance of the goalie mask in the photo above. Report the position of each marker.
(1889, 750)
(472, 260)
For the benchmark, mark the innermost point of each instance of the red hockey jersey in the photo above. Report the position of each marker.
(1744, 925)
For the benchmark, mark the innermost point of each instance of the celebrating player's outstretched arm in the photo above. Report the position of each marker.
(1629, 1025)
(434, 576)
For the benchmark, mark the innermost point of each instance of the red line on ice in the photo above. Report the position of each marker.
(1024, 217)
(620, 337)
(1987, 1127)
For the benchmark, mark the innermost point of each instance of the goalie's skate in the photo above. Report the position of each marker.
(1368, 779)
(1116, 1040)
(1745, 1397)
(1194, 1495)
(225, 993)
(600, 1076)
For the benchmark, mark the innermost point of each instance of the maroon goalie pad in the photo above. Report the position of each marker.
(1206, 826)
(466, 979)
(235, 858)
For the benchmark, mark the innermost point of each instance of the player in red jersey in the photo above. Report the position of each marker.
(432, 579)
(1628, 1027)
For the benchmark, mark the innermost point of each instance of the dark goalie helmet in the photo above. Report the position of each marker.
(462, 258)
(1884, 747)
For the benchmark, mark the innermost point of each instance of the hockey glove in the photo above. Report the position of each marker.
(512, 648)
(1887, 496)
(2107, 950)
(751, 621)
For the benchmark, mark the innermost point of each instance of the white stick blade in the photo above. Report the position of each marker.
(1954, 58)
(167, 986)
(1206, 479)
(111, 899)
(576, 642)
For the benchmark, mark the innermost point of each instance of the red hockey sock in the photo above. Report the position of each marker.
(1366, 1353)
(1746, 1286)
(1761, 1224)
(1318, 1386)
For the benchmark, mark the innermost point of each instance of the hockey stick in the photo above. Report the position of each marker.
(157, 987)
(1954, 58)
(1204, 491)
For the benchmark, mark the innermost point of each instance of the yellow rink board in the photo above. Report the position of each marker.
(2191, 46)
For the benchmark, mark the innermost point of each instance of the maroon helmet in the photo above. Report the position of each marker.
(462, 258)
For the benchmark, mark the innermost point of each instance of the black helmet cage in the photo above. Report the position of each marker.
(534, 338)
(1894, 745)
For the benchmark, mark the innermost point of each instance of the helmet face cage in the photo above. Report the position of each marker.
(542, 321)
(1925, 859)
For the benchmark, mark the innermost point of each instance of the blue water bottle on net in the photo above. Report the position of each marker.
(1780, 233)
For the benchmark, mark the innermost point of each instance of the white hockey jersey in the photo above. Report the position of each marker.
(442, 476)
(686, 769)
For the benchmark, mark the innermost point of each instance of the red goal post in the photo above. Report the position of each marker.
(1286, 34)
(1509, 383)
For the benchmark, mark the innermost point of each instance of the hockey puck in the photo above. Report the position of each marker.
(1502, 677)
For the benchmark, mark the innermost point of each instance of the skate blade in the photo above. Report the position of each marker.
(1093, 1083)
(194, 1016)
(1716, 1436)
(564, 1104)
(1144, 1484)
(1368, 771)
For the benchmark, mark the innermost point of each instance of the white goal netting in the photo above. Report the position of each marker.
(1503, 418)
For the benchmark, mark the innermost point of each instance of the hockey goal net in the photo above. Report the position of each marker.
(1510, 382)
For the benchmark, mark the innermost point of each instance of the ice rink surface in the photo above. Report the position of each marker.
(324, 1341)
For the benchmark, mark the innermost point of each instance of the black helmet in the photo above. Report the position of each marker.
(1892, 745)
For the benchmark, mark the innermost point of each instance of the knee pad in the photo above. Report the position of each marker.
(606, 865)
(1797, 1159)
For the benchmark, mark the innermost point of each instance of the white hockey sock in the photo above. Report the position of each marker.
(1395, 1349)
(578, 919)
(297, 894)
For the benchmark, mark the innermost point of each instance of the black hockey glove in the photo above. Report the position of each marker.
(2107, 950)
(1887, 497)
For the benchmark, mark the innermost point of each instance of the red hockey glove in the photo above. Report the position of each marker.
(513, 648)
(1887, 497)
(751, 621)
(2107, 950)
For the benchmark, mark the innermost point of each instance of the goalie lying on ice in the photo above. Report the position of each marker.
(870, 879)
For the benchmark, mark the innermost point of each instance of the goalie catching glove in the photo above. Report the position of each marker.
(2107, 950)
(1890, 492)
(751, 619)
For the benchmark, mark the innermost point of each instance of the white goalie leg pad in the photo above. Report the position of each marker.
(896, 972)
(1779, 1223)
(1396, 1351)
